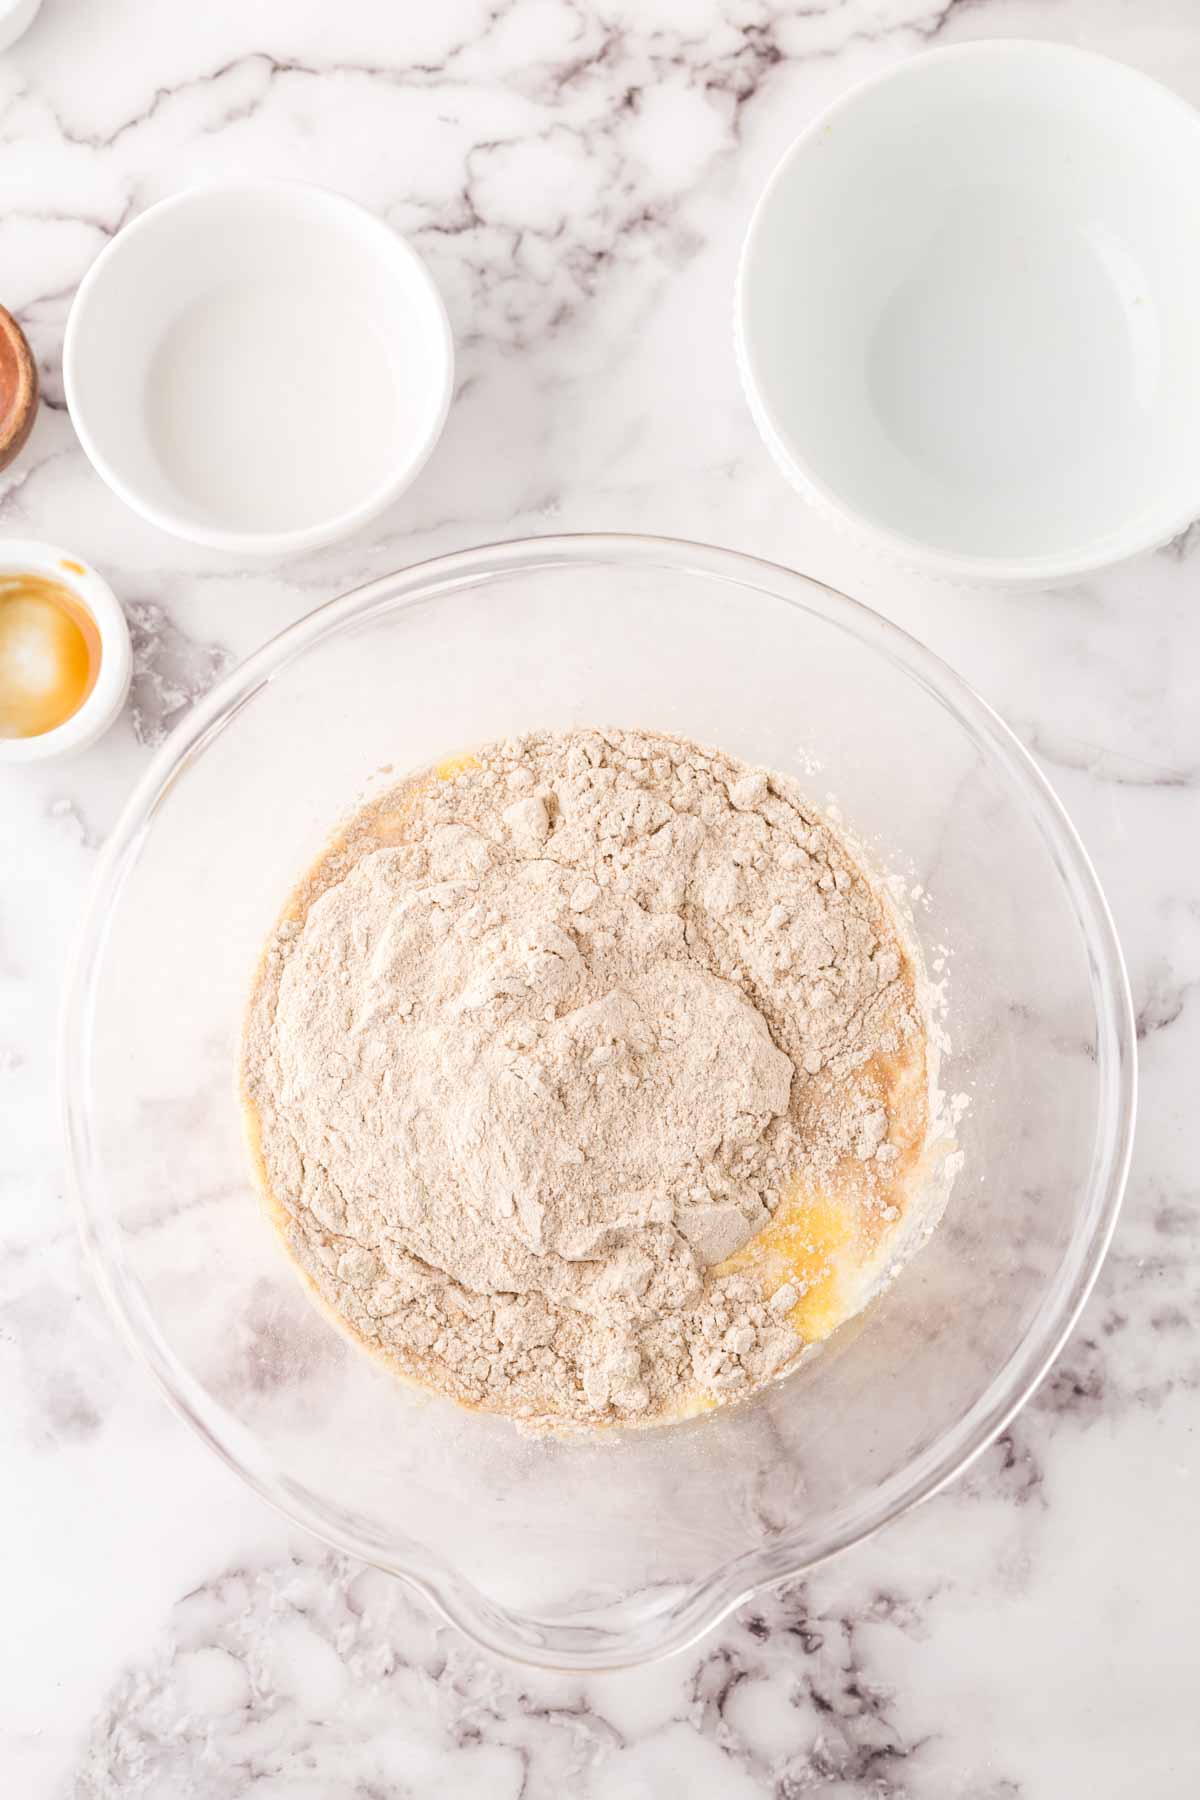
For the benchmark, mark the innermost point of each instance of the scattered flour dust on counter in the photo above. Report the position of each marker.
(587, 1078)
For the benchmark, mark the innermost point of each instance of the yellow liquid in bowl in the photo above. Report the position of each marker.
(49, 655)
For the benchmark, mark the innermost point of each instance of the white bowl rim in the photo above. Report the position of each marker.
(584, 1644)
(89, 588)
(391, 245)
(913, 552)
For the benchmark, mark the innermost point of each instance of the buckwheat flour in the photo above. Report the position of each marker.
(547, 1038)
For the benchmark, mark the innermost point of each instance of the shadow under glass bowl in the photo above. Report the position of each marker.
(587, 1554)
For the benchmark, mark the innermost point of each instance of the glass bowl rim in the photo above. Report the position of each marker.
(652, 1628)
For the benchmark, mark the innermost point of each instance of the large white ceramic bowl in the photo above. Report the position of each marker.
(261, 366)
(968, 312)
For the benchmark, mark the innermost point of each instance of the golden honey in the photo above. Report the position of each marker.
(49, 654)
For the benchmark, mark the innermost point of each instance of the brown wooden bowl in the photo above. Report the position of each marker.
(18, 388)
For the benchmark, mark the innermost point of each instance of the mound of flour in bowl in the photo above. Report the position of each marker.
(538, 1049)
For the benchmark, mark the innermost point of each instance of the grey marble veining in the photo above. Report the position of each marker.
(578, 174)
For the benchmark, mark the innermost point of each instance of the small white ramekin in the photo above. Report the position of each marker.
(258, 254)
(107, 697)
(968, 313)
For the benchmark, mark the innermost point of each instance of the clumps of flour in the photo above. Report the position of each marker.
(538, 1046)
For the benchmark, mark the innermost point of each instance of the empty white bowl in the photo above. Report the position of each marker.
(968, 312)
(260, 367)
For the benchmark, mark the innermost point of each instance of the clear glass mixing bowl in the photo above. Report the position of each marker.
(576, 1553)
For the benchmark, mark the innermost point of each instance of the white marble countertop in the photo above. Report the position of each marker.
(578, 174)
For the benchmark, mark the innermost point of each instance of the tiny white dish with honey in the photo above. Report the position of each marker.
(65, 657)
